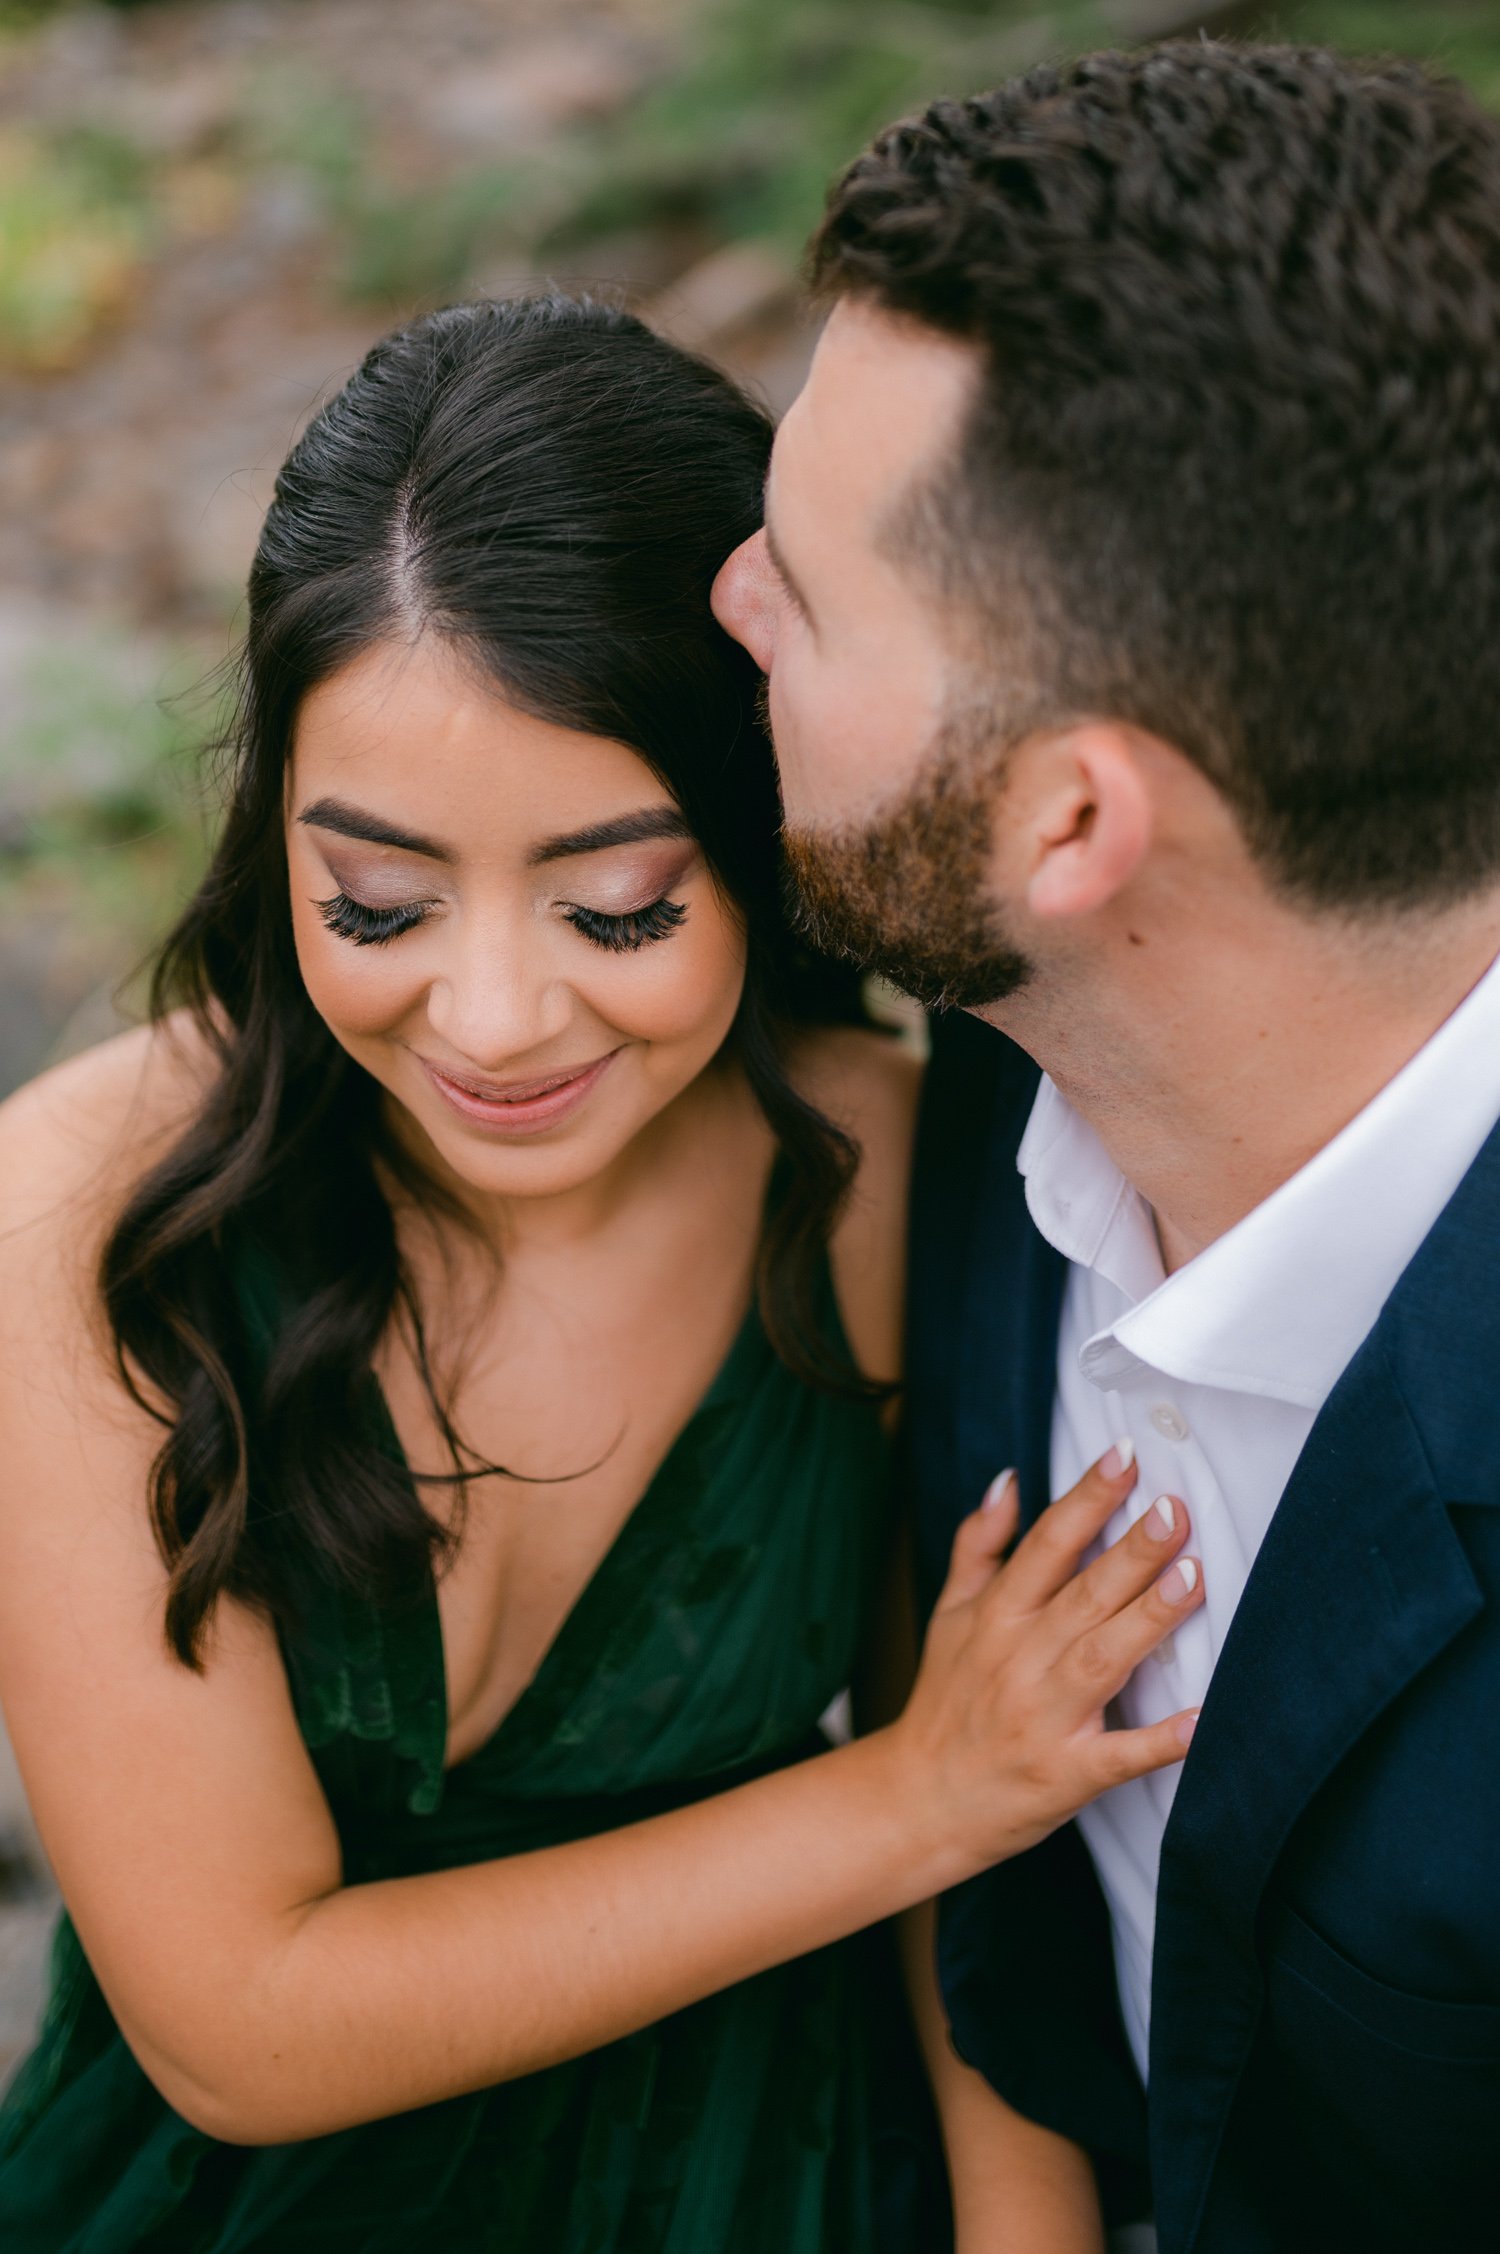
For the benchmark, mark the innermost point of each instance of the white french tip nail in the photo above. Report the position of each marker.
(1163, 1518)
(1189, 1571)
(998, 1488)
(1126, 1452)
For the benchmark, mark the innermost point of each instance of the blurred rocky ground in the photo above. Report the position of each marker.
(210, 208)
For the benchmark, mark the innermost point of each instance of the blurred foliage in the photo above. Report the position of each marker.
(393, 242)
(780, 93)
(25, 15)
(424, 242)
(76, 219)
(101, 784)
(1461, 37)
(768, 99)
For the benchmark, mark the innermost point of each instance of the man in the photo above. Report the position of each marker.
(1130, 601)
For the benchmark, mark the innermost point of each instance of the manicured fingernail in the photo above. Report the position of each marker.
(1186, 1725)
(1120, 1459)
(997, 1490)
(1161, 1519)
(1178, 1585)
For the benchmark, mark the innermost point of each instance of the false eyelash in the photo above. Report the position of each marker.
(624, 934)
(367, 927)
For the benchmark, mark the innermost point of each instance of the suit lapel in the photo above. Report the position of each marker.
(1012, 1302)
(1361, 1583)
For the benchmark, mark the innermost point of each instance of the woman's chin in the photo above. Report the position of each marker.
(547, 1164)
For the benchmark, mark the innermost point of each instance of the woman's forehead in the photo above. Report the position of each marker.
(422, 740)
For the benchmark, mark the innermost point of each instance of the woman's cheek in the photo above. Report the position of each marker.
(685, 990)
(360, 991)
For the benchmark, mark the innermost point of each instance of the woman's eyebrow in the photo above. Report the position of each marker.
(352, 821)
(626, 829)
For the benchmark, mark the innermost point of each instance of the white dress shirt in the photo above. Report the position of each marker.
(1218, 1372)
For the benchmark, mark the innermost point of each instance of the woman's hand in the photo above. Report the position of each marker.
(1004, 1735)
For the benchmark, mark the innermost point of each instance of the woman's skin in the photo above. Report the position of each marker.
(1017, 2188)
(193, 1845)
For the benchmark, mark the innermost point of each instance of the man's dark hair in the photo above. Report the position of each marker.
(1234, 471)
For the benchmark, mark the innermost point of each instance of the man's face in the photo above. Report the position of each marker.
(886, 791)
(849, 644)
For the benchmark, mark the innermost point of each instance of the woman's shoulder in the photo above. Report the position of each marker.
(76, 1140)
(868, 1082)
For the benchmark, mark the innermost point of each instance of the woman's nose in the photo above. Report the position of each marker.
(495, 1007)
(744, 599)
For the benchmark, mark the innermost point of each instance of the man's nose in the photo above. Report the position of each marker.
(744, 599)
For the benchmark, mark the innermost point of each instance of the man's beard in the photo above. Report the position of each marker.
(907, 896)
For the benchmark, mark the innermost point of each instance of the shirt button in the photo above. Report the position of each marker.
(1170, 1422)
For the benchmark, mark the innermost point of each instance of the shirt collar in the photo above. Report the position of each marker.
(1279, 1304)
(1080, 1200)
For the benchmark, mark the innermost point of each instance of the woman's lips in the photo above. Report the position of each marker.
(520, 1106)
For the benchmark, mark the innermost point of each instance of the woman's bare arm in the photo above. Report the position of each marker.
(1017, 2188)
(268, 2000)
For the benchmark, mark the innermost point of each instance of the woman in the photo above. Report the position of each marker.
(443, 1389)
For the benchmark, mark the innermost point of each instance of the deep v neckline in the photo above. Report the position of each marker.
(536, 1705)
(537, 1696)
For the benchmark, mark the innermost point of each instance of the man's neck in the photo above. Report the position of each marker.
(1213, 1073)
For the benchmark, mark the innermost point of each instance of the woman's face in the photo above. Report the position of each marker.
(505, 922)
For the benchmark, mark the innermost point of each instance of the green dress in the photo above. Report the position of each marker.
(783, 2116)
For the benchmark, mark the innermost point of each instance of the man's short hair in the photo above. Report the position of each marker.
(1234, 471)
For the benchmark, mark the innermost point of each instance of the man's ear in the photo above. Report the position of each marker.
(1091, 818)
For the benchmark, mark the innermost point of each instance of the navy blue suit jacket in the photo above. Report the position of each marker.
(1325, 2037)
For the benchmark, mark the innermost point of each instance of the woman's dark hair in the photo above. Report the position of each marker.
(549, 488)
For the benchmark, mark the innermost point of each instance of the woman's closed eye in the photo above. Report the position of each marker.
(626, 933)
(370, 927)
